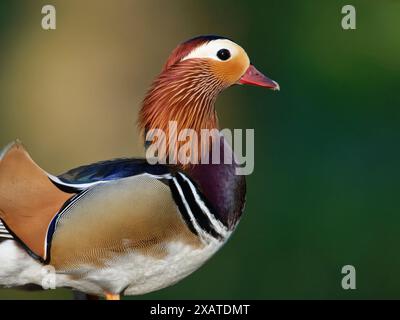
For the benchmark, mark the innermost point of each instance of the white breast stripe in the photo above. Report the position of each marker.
(218, 226)
(203, 235)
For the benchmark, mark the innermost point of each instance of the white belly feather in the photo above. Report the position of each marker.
(134, 274)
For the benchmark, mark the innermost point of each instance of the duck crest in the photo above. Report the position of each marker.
(186, 47)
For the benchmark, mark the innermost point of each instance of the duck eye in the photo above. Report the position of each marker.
(223, 54)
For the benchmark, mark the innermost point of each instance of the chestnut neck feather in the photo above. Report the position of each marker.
(185, 93)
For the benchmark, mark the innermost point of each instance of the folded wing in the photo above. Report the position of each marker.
(28, 199)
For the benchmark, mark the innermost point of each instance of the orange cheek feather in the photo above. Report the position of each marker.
(230, 71)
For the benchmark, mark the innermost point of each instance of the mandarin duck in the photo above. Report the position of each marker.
(126, 226)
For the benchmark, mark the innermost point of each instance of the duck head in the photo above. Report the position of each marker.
(190, 81)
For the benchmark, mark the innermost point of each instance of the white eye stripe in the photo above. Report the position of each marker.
(210, 49)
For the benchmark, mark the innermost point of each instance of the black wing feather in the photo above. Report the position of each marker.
(112, 170)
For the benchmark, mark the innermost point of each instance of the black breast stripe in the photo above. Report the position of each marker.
(182, 209)
(201, 218)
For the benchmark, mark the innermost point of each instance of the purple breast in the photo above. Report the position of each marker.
(222, 187)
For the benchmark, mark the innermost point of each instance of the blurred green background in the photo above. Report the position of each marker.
(325, 190)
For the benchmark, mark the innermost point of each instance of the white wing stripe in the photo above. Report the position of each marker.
(8, 236)
(3, 232)
(82, 186)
